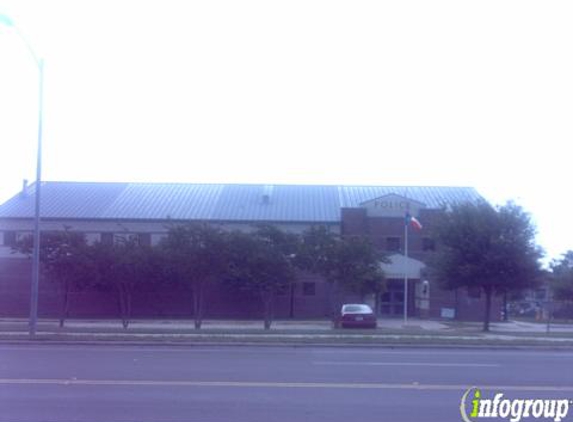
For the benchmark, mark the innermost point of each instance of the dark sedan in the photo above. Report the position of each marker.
(356, 315)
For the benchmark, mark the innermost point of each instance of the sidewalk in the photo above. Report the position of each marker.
(21, 324)
(390, 332)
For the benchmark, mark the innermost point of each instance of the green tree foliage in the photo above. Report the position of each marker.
(349, 263)
(285, 243)
(486, 248)
(196, 256)
(261, 262)
(562, 277)
(64, 259)
(357, 266)
(317, 249)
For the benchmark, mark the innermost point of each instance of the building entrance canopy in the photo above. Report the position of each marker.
(399, 266)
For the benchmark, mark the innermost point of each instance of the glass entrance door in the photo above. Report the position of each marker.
(392, 300)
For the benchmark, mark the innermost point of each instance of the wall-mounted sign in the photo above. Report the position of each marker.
(392, 205)
(449, 313)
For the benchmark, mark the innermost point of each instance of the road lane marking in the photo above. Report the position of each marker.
(255, 384)
(302, 350)
(460, 352)
(457, 365)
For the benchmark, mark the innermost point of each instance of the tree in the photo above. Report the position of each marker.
(358, 266)
(562, 277)
(316, 250)
(122, 267)
(197, 257)
(65, 260)
(261, 262)
(349, 263)
(487, 248)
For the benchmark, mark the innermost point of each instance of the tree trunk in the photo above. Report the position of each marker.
(120, 303)
(124, 320)
(65, 305)
(457, 305)
(268, 309)
(124, 293)
(488, 293)
(291, 300)
(198, 306)
(128, 297)
(333, 305)
(333, 299)
(505, 310)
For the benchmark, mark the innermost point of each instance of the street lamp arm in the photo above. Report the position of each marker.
(6, 21)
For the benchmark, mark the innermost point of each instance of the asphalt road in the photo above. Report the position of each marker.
(241, 383)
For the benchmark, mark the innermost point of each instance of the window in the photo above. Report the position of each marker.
(107, 238)
(156, 239)
(309, 289)
(9, 238)
(541, 294)
(144, 239)
(91, 238)
(393, 244)
(78, 236)
(428, 244)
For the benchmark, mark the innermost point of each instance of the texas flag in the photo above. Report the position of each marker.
(413, 221)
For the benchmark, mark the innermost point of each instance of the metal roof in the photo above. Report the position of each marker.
(219, 202)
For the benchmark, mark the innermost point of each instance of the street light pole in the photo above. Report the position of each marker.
(5, 20)
(36, 256)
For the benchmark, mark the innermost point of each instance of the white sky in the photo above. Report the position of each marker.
(355, 92)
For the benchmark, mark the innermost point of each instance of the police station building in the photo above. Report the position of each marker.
(102, 210)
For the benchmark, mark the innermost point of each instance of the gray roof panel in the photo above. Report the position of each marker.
(278, 203)
(230, 202)
(64, 200)
(161, 201)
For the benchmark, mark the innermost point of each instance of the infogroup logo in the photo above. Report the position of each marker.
(474, 407)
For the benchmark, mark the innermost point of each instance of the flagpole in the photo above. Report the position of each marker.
(406, 272)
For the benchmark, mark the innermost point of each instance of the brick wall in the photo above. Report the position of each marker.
(170, 301)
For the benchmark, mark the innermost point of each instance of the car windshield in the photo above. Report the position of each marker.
(356, 309)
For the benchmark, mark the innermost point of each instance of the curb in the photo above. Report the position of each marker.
(290, 345)
(294, 343)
